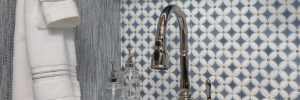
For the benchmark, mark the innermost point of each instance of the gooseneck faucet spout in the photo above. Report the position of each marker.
(160, 56)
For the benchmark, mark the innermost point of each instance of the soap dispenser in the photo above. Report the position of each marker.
(131, 80)
(114, 90)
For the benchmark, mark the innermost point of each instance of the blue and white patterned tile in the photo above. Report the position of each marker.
(249, 49)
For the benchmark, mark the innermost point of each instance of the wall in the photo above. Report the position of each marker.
(247, 48)
(7, 24)
(97, 43)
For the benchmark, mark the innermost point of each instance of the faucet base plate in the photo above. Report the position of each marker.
(184, 94)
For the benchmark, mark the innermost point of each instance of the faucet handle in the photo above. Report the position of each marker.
(208, 89)
(129, 51)
(129, 62)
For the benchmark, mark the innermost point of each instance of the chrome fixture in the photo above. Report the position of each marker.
(160, 56)
(208, 89)
(113, 74)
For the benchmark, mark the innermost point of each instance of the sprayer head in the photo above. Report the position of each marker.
(159, 60)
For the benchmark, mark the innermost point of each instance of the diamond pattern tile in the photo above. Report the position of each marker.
(249, 49)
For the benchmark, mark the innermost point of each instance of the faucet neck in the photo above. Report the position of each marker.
(160, 41)
(162, 25)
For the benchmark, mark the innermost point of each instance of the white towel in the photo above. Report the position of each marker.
(69, 37)
(49, 66)
(53, 88)
(22, 81)
(60, 13)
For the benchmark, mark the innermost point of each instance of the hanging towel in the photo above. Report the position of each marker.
(22, 80)
(69, 36)
(50, 51)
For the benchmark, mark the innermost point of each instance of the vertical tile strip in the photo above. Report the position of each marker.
(97, 43)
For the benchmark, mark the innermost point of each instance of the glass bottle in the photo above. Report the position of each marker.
(113, 90)
(131, 80)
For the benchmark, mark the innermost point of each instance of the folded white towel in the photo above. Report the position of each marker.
(22, 81)
(60, 13)
(49, 57)
(44, 58)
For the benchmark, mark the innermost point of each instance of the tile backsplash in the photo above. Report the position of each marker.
(249, 49)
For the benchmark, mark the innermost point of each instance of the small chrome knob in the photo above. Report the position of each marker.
(208, 89)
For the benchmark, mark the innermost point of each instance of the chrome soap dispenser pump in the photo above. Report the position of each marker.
(114, 89)
(131, 80)
(113, 77)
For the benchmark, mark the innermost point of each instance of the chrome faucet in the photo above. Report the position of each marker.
(160, 56)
